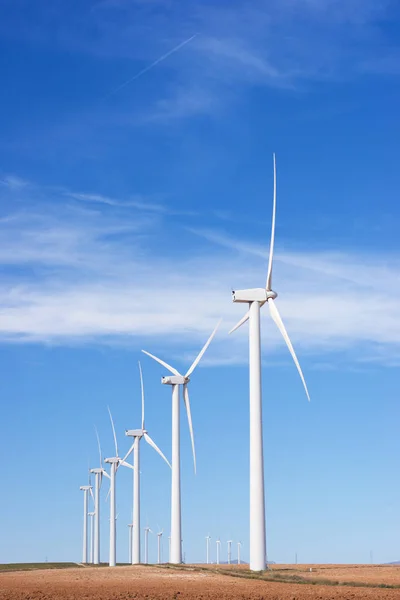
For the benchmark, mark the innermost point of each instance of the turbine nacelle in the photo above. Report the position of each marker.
(113, 460)
(135, 432)
(96, 471)
(85, 488)
(175, 380)
(253, 295)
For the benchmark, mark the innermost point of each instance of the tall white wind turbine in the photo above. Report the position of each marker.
(208, 538)
(176, 381)
(91, 515)
(137, 435)
(239, 545)
(229, 542)
(218, 549)
(86, 489)
(147, 530)
(159, 536)
(130, 542)
(98, 473)
(114, 463)
(256, 298)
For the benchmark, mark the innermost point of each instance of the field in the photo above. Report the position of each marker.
(283, 582)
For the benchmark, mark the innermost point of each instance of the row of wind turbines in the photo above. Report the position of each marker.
(218, 551)
(255, 298)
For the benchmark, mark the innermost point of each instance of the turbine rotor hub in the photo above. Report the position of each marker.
(271, 294)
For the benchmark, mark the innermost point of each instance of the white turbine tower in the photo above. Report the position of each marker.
(239, 544)
(256, 298)
(146, 544)
(114, 463)
(91, 515)
(208, 538)
(130, 542)
(137, 435)
(218, 549)
(229, 542)
(86, 489)
(159, 536)
(176, 381)
(98, 473)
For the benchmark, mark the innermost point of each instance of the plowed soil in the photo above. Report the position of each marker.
(126, 583)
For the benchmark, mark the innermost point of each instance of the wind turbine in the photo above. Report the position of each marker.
(239, 544)
(229, 542)
(130, 543)
(146, 544)
(137, 435)
(176, 381)
(91, 515)
(208, 538)
(218, 549)
(159, 536)
(256, 298)
(97, 485)
(85, 489)
(115, 462)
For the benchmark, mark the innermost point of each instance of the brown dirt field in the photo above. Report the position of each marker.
(126, 583)
(359, 573)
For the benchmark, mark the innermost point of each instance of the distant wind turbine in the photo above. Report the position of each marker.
(256, 298)
(147, 530)
(239, 544)
(130, 542)
(137, 435)
(114, 462)
(176, 381)
(98, 473)
(159, 536)
(229, 551)
(91, 515)
(218, 549)
(208, 538)
(86, 489)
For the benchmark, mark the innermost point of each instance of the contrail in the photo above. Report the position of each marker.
(156, 62)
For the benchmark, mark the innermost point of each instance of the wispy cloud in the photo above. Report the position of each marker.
(69, 277)
(273, 43)
(139, 202)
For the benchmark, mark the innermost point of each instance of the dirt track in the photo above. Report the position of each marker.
(125, 583)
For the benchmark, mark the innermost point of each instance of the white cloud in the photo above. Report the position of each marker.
(68, 278)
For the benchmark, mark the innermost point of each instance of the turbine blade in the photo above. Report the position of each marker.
(142, 389)
(271, 246)
(279, 323)
(204, 348)
(126, 464)
(241, 322)
(128, 453)
(106, 474)
(113, 428)
(98, 443)
(189, 416)
(108, 493)
(156, 448)
(91, 493)
(164, 364)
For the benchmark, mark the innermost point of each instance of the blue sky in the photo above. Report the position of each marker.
(126, 218)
